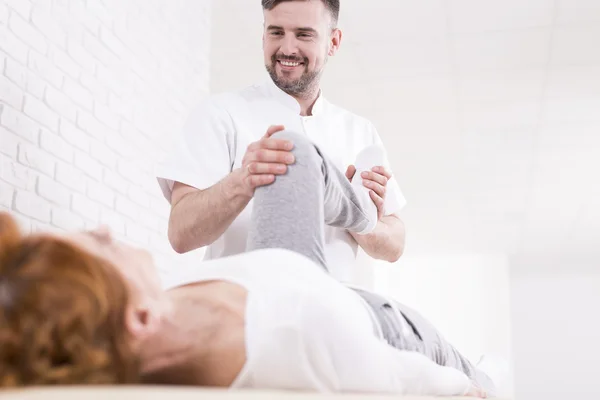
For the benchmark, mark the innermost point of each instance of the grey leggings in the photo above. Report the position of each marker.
(291, 213)
(406, 329)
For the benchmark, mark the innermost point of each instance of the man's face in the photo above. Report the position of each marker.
(297, 41)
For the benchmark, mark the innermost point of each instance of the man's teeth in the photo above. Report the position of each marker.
(289, 64)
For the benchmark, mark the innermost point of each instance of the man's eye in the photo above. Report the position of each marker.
(276, 33)
(304, 35)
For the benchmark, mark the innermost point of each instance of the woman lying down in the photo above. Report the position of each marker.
(85, 309)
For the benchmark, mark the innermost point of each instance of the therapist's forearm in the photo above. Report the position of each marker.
(200, 218)
(386, 242)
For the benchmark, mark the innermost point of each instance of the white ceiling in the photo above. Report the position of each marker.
(490, 110)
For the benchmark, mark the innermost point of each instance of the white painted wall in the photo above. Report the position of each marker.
(465, 295)
(556, 327)
(90, 93)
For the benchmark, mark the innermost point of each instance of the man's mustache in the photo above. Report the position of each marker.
(282, 57)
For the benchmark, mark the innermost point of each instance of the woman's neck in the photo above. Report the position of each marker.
(204, 327)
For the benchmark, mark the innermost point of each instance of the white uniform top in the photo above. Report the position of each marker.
(306, 331)
(218, 132)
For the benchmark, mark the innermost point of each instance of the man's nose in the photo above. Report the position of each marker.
(289, 47)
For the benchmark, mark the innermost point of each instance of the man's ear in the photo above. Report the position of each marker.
(336, 41)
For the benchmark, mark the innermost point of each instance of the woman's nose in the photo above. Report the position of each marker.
(103, 232)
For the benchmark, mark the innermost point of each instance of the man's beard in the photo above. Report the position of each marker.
(298, 87)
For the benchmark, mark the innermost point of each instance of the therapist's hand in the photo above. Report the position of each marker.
(265, 159)
(376, 180)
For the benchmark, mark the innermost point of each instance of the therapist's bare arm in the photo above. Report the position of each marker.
(199, 217)
(387, 241)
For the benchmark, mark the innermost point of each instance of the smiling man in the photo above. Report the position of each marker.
(295, 55)
(231, 147)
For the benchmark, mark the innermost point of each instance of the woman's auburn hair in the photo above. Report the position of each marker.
(62, 314)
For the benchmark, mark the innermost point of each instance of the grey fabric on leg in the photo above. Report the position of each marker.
(406, 329)
(291, 212)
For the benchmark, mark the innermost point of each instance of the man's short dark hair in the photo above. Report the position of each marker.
(332, 5)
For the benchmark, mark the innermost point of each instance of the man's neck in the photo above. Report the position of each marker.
(307, 100)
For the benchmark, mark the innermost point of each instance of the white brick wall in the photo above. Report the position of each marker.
(89, 89)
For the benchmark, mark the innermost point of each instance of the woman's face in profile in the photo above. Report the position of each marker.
(135, 265)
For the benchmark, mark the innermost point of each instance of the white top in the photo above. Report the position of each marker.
(218, 132)
(306, 331)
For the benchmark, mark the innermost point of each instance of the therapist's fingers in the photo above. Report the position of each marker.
(273, 129)
(379, 203)
(267, 168)
(350, 171)
(260, 180)
(383, 171)
(375, 177)
(376, 187)
(271, 156)
(271, 144)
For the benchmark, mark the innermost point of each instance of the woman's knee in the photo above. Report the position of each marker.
(304, 151)
(301, 142)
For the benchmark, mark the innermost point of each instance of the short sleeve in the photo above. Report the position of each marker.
(347, 358)
(201, 154)
(394, 200)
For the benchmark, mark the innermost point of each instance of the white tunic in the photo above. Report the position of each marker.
(218, 132)
(306, 331)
